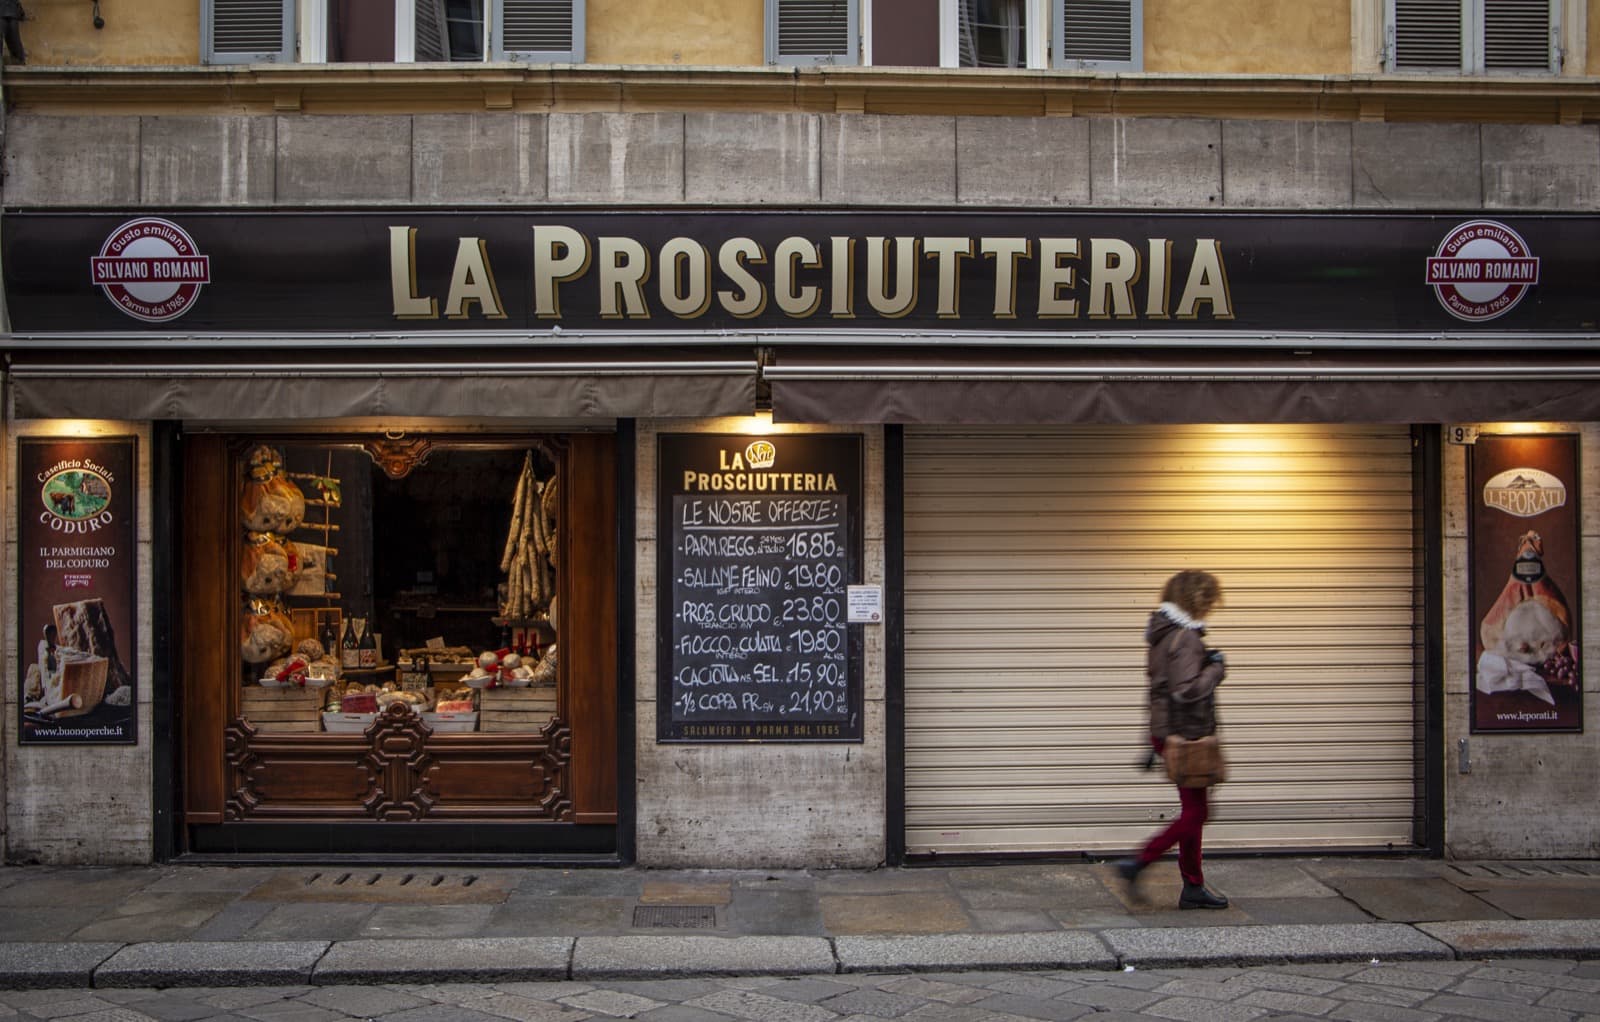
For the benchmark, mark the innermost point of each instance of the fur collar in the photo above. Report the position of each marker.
(1176, 615)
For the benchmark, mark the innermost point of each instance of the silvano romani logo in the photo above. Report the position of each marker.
(1481, 270)
(151, 269)
(1524, 492)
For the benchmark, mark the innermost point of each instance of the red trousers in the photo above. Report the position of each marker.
(1185, 833)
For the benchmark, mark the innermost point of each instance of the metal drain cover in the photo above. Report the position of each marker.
(679, 917)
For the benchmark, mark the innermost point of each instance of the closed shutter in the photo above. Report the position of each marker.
(248, 31)
(1104, 34)
(1032, 562)
(1426, 35)
(812, 31)
(1518, 36)
(539, 31)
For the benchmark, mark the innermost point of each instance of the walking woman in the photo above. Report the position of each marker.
(1184, 676)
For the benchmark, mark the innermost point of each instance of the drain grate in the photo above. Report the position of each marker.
(677, 917)
(367, 878)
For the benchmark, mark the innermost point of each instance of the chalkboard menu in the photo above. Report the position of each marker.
(759, 537)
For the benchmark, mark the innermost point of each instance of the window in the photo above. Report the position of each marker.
(992, 33)
(263, 31)
(813, 31)
(1473, 36)
(1100, 35)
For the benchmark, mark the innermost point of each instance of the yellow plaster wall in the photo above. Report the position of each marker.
(1592, 49)
(717, 32)
(1247, 36)
(136, 32)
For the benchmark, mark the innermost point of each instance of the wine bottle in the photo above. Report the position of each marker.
(330, 639)
(366, 649)
(349, 655)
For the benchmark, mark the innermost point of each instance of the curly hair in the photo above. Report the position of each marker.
(1197, 593)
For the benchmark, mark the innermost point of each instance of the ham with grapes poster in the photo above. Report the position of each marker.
(77, 565)
(1523, 538)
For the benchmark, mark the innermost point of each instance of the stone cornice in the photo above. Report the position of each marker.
(417, 88)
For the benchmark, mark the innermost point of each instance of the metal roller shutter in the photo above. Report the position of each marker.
(1032, 562)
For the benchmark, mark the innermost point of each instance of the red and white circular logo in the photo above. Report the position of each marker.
(1482, 270)
(151, 269)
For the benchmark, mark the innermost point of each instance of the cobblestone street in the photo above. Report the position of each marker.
(1534, 990)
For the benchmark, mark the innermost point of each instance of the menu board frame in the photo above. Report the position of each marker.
(797, 467)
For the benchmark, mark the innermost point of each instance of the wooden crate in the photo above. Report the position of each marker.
(282, 709)
(516, 709)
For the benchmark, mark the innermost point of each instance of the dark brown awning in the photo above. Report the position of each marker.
(1187, 387)
(586, 389)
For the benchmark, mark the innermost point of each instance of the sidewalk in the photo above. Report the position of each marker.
(220, 926)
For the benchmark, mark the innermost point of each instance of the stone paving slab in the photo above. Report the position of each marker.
(1264, 945)
(650, 957)
(192, 963)
(34, 966)
(959, 951)
(454, 960)
(1520, 938)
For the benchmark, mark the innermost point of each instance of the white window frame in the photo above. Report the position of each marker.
(1038, 55)
(1058, 42)
(1473, 48)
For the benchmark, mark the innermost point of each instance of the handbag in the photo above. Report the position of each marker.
(1194, 762)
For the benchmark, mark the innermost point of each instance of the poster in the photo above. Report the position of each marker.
(1525, 595)
(76, 571)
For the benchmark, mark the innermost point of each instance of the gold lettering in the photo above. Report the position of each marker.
(750, 298)
(904, 297)
(560, 254)
(947, 253)
(1113, 270)
(685, 278)
(1208, 282)
(624, 265)
(1053, 277)
(403, 277)
(473, 281)
(1005, 252)
(791, 254)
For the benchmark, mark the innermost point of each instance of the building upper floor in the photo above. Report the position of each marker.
(1504, 60)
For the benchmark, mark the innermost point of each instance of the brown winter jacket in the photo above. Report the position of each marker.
(1183, 682)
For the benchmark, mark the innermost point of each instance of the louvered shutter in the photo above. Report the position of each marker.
(247, 31)
(1100, 34)
(1518, 35)
(1426, 35)
(433, 44)
(812, 31)
(539, 31)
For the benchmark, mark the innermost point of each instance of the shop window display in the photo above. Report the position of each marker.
(420, 581)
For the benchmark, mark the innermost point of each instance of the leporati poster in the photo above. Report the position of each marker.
(77, 560)
(1525, 584)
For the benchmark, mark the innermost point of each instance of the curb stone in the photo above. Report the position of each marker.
(1070, 949)
(654, 957)
(1169, 947)
(453, 960)
(211, 963)
(41, 966)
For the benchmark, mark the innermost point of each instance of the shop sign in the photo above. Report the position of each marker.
(77, 565)
(760, 541)
(1526, 590)
(692, 271)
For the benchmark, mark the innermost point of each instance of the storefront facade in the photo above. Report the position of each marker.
(1025, 392)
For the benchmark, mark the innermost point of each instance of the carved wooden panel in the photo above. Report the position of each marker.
(398, 770)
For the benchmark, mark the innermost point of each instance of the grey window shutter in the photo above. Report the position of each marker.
(1426, 35)
(539, 31)
(813, 31)
(1518, 35)
(1098, 34)
(247, 31)
(433, 43)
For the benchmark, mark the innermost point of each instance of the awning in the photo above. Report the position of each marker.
(205, 391)
(1186, 387)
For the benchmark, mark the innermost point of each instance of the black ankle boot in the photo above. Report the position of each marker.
(1129, 870)
(1196, 896)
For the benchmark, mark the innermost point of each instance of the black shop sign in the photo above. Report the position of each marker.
(759, 538)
